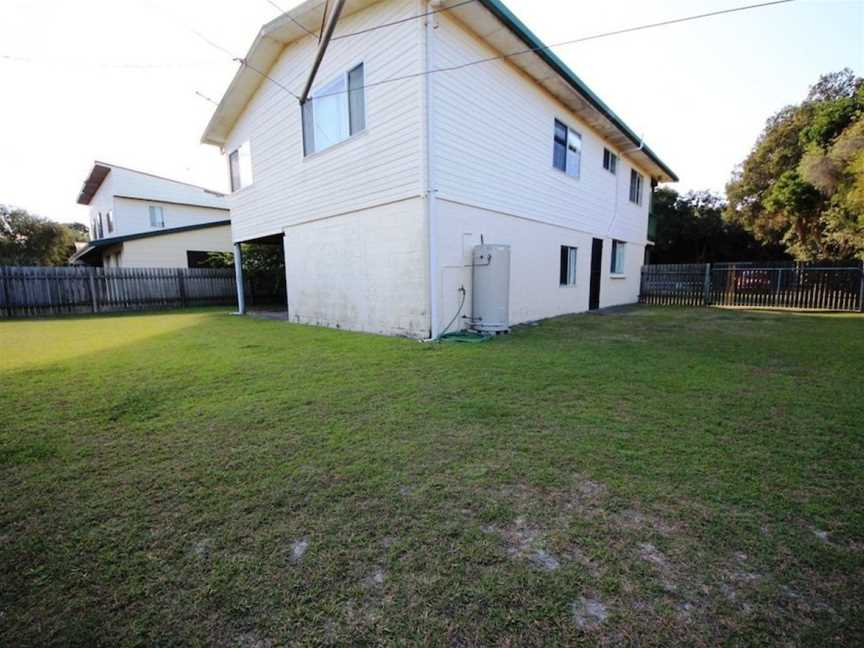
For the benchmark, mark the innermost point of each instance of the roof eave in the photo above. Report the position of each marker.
(500, 11)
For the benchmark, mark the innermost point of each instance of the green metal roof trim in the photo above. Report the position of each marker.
(530, 39)
(114, 240)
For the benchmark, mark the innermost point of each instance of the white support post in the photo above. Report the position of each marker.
(238, 276)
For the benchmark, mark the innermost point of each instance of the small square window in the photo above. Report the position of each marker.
(157, 216)
(618, 248)
(240, 166)
(610, 161)
(568, 266)
(635, 187)
(567, 150)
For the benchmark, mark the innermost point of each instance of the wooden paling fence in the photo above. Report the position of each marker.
(41, 292)
(819, 287)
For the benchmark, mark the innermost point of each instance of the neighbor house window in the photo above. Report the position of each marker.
(157, 216)
(198, 259)
(99, 226)
(635, 187)
(618, 257)
(335, 111)
(568, 266)
(240, 166)
(610, 161)
(110, 219)
(567, 151)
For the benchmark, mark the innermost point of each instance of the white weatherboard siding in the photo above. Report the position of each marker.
(133, 216)
(135, 184)
(364, 271)
(494, 140)
(102, 203)
(493, 144)
(169, 250)
(364, 245)
(379, 166)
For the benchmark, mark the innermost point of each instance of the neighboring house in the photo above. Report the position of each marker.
(139, 220)
(405, 159)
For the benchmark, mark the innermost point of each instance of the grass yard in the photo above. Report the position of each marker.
(652, 476)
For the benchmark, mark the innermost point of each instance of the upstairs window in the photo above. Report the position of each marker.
(635, 187)
(567, 150)
(568, 266)
(610, 161)
(240, 166)
(618, 248)
(157, 217)
(100, 232)
(110, 220)
(335, 111)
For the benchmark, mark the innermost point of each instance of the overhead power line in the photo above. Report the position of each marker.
(206, 98)
(291, 18)
(584, 39)
(109, 66)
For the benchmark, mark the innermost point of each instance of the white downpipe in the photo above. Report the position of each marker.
(238, 276)
(431, 207)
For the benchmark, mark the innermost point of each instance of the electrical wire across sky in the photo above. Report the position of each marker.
(452, 68)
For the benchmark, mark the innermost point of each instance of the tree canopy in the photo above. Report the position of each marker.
(30, 240)
(802, 186)
(691, 229)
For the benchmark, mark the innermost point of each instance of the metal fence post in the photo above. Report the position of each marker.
(707, 290)
(861, 290)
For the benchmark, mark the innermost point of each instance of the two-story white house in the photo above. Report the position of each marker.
(424, 133)
(139, 220)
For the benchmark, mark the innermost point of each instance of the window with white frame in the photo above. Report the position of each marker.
(110, 220)
(618, 248)
(157, 216)
(636, 181)
(567, 152)
(99, 226)
(240, 166)
(335, 111)
(568, 266)
(610, 161)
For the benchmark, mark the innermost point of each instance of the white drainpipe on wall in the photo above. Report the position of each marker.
(238, 276)
(431, 207)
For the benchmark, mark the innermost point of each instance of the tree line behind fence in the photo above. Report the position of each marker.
(826, 287)
(37, 291)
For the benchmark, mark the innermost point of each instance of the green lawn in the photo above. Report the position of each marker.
(650, 476)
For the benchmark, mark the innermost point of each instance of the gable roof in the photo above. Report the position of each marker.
(190, 194)
(92, 246)
(483, 17)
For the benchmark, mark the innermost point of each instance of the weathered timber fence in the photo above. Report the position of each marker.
(41, 292)
(778, 285)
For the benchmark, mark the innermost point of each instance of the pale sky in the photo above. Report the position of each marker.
(76, 90)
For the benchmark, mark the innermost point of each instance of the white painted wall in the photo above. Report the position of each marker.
(133, 216)
(356, 242)
(363, 271)
(169, 250)
(101, 203)
(128, 182)
(127, 194)
(535, 290)
(381, 165)
(493, 146)
(494, 141)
